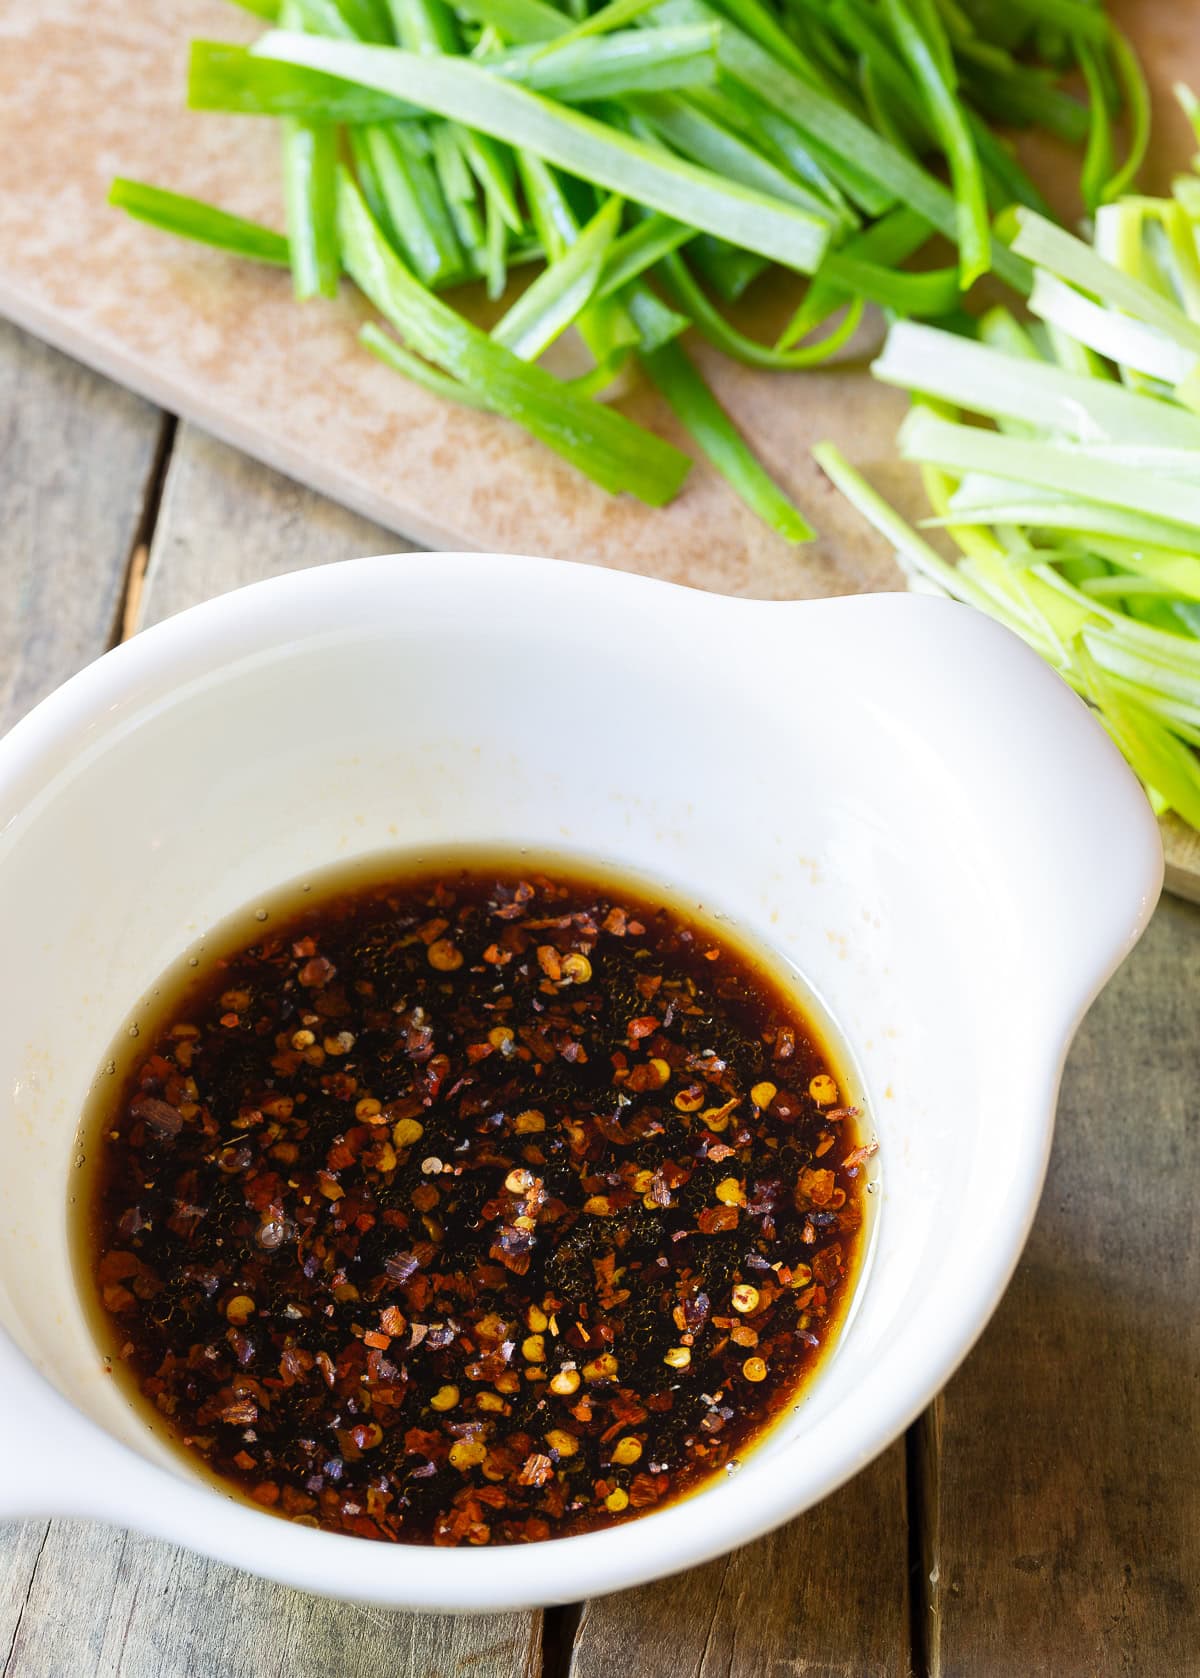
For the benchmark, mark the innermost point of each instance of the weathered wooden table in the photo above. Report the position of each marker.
(1042, 1518)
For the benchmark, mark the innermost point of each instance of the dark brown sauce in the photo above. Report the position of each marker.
(470, 1204)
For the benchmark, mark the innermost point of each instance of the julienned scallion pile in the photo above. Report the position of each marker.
(1078, 515)
(655, 157)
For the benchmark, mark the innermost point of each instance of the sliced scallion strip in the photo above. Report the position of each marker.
(614, 66)
(561, 290)
(931, 65)
(711, 324)
(602, 444)
(309, 161)
(698, 410)
(1067, 469)
(191, 218)
(463, 92)
(1070, 259)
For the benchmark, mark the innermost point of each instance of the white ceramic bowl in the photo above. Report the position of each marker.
(891, 791)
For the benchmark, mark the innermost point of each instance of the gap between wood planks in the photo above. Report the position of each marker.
(130, 605)
(922, 1445)
(922, 1473)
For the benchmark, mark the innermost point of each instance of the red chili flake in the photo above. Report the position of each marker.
(163, 1119)
(115, 1266)
(641, 1027)
(827, 1264)
(239, 1411)
(316, 972)
(814, 1188)
(644, 1490)
(549, 961)
(536, 1470)
(714, 1219)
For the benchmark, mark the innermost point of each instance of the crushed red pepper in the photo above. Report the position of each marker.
(470, 1208)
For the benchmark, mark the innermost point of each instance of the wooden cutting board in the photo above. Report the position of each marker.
(87, 92)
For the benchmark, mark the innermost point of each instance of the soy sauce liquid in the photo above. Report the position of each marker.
(470, 1201)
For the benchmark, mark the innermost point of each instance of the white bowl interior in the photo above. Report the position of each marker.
(789, 766)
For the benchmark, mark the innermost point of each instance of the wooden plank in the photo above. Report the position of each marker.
(115, 1605)
(225, 520)
(825, 1595)
(75, 457)
(1068, 1485)
(1181, 844)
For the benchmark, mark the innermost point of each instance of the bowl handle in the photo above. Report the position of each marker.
(57, 1462)
(1050, 821)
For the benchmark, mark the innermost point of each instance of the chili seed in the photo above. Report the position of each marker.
(678, 1357)
(561, 1441)
(445, 956)
(762, 1095)
(616, 1500)
(626, 1450)
(745, 1298)
(445, 1398)
(577, 968)
(240, 1309)
(407, 1131)
(565, 1382)
(717, 1118)
(754, 1369)
(729, 1192)
(519, 1182)
(467, 1453)
(823, 1090)
(533, 1348)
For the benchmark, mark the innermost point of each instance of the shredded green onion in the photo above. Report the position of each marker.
(1078, 520)
(655, 158)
